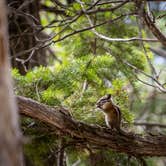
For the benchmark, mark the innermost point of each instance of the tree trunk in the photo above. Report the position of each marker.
(10, 137)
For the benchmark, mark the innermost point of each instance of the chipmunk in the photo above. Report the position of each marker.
(111, 111)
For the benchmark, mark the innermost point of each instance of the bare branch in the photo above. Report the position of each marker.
(104, 9)
(53, 10)
(136, 70)
(149, 22)
(109, 2)
(101, 36)
(158, 84)
(159, 51)
(161, 16)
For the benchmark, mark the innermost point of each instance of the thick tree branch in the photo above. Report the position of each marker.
(127, 142)
(156, 32)
(150, 23)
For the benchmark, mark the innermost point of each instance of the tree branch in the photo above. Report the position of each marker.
(150, 23)
(150, 124)
(53, 10)
(109, 39)
(128, 143)
(159, 51)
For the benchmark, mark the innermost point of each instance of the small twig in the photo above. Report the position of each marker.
(152, 68)
(158, 84)
(161, 16)
(61, 160)
(144, 82)
(150, 124)
(37, 90)
(141, 160)
(110, 2)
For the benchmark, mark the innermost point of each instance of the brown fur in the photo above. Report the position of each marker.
(111, 111)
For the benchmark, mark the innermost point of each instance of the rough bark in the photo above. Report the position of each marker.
(10, 140)
(132, 144)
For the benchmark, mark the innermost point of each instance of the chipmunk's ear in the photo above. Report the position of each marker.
(108, 96)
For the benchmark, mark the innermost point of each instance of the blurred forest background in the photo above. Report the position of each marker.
(69, 53)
